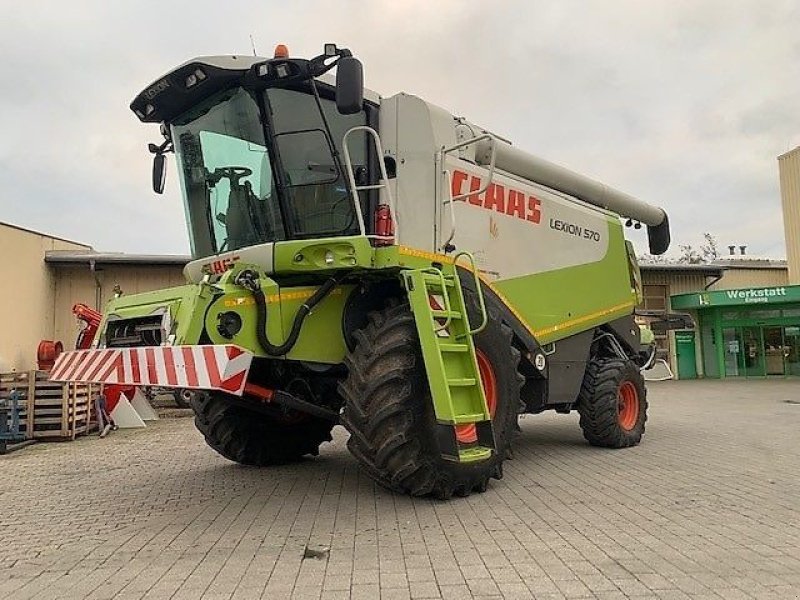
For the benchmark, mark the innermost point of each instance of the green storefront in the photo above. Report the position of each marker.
(749, 332)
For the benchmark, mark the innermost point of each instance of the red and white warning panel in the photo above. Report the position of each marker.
(220, 367)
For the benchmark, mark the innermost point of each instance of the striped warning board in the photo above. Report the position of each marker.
(222, 367)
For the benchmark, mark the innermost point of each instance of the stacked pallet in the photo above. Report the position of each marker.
(50, 410)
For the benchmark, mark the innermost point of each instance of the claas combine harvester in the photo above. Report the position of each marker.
(379, 263)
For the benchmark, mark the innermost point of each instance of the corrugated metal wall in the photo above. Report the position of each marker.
(678, 282)
(789, 168)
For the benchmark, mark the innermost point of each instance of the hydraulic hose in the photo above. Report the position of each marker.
(248, 279)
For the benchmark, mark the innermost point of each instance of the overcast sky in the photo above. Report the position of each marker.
(685, 104)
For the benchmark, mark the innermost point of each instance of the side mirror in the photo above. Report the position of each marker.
(159, 173)
(349, 85)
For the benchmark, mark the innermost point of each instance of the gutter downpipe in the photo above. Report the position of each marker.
(714, 280)
(98, 286)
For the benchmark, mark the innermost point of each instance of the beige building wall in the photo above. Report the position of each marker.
(28, 308)
(789, 169)
(78, 284)
(750, 278)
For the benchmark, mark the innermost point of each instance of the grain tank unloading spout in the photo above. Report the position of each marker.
(556, 177)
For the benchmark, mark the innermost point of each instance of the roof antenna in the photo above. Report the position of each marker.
(253, 44)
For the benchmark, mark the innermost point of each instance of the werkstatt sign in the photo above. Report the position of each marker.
(764, 295)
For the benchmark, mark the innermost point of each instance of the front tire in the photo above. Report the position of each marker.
(613, 403)
(253, 438)
(389, 412)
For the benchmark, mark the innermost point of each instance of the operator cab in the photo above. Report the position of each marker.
(259, 148)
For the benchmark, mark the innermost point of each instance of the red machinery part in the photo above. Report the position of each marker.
(91, 320)
(47, 353)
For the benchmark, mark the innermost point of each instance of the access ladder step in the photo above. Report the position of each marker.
(443, 314)
(433, 281)
(462, 382)
(453, 347)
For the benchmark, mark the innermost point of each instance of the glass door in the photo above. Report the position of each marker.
(774, 350)
(791, 350)
(752, 352)
(731, 341)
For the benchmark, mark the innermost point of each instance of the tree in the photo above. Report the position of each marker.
(690, 255)
(705, 253)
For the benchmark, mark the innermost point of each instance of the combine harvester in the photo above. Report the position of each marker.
(379, 263)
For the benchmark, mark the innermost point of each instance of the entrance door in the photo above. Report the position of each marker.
(774, 350)
(687, 362)
(732, 344)
(791, 341)
(752, 357)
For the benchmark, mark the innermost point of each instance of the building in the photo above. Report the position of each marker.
(748, 321)
(29, 312)
(743, 332)
(50, 274)
(789, 170)
(697, 291)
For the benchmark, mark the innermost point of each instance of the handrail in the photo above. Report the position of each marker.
(449, 177)
(481, 302)
(384, 182)
(444, 171)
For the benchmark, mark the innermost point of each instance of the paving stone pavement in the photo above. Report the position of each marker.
(707, 507)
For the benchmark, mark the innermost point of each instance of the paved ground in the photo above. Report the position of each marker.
(707, 507)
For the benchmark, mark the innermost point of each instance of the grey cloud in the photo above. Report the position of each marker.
(686, 104)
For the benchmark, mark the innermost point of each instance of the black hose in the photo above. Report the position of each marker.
(249, 279)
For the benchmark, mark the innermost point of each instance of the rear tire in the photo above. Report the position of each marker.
(389, 412)
(252, 438)
(613, 403)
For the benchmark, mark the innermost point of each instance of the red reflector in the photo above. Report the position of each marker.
(384, 226)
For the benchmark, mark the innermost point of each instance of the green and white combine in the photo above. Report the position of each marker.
(382, 264)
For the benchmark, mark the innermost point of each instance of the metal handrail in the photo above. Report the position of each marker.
(481, 302)
(384, 182)
(446, 172)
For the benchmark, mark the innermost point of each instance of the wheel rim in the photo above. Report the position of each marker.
(628, 403)
(468, 434)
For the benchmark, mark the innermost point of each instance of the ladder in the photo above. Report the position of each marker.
(448, 351)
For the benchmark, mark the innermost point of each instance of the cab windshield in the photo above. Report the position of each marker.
(241, 189)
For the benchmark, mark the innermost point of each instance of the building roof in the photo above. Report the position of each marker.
(47, 235)
(709, 269)
(789, 153)
(751, 263)
(66, 257)
(719, 265)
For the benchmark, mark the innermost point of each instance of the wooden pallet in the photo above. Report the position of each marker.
(51, 410)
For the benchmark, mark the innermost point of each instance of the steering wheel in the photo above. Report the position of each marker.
(234, 174)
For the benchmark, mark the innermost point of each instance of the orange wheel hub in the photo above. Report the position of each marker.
(628, 404)
(468, 434)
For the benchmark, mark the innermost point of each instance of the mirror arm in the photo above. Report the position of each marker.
(317, 65)
(167, 146)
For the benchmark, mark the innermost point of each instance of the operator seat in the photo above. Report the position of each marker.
(241, 229)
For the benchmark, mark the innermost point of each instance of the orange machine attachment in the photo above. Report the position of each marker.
(91, 319)
(91, 322)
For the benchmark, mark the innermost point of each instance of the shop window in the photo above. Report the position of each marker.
(764, 314)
